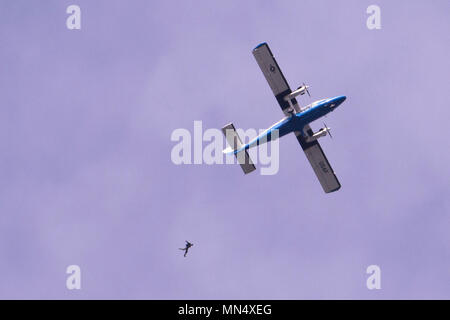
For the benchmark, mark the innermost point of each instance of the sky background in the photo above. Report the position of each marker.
(86, 176)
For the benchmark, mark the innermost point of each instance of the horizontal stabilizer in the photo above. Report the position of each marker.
(235, 143)
(245, 161)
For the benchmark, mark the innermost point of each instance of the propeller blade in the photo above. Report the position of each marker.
(306, 89)
(328, 130)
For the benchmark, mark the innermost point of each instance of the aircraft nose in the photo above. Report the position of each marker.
(338, 100)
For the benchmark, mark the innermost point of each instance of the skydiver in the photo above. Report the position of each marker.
(188, 245)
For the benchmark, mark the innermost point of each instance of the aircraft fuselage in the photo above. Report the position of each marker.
(296, 121)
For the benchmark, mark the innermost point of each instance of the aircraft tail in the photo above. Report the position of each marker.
(235, 144)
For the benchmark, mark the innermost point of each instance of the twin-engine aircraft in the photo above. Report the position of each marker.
(296, 120)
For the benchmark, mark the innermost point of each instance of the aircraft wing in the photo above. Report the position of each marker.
(274, 76)
(319, 162)
(280, 89)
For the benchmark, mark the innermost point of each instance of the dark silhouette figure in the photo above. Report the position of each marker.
(188, 245)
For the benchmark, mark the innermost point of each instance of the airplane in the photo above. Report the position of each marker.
(296, 120)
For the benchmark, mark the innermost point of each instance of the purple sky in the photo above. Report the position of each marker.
(86, 176)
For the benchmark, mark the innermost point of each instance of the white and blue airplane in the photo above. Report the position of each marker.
(296, 120)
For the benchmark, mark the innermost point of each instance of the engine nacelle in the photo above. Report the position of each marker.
(319, 134)
(300, 91)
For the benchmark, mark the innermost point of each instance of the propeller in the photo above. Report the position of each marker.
(328, 130)
(306, 89)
